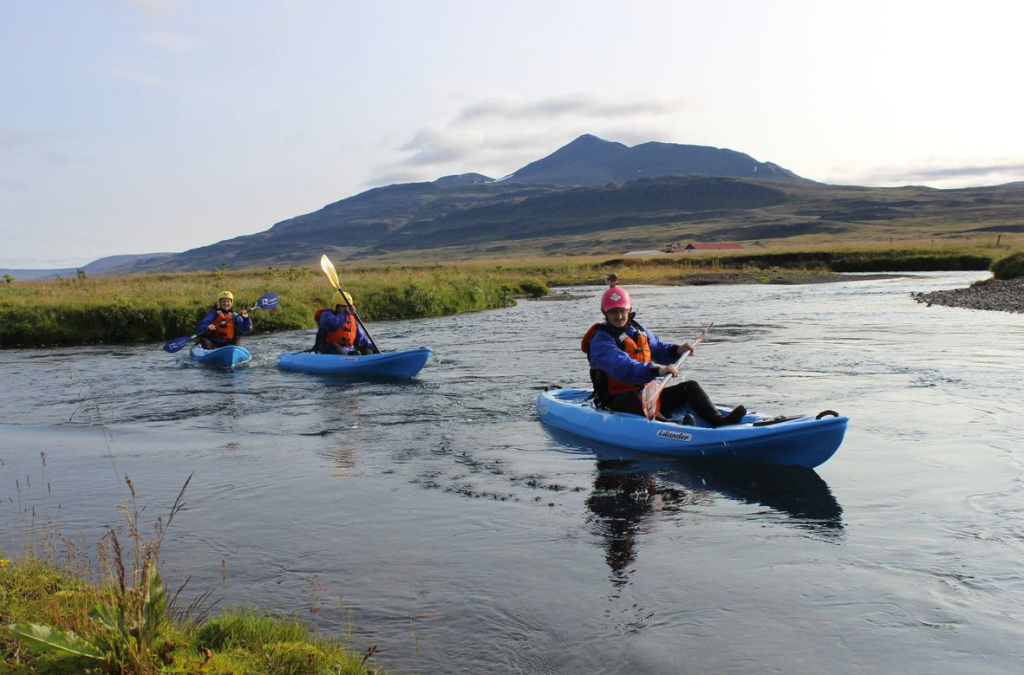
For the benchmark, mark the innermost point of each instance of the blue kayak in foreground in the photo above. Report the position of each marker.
(393, 364)
(795, 441)
(222, 357)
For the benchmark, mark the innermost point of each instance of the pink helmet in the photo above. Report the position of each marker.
(615, 297)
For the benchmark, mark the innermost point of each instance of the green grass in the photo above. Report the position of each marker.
(158, 307)
(69, 617)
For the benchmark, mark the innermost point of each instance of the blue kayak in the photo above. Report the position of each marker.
(796, 441)
(222, 357)
(393, 364)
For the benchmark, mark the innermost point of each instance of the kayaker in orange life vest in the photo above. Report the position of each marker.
(221, 326)
(624, 356)
(338, 331)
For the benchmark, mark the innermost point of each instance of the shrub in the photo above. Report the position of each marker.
(1009, 267)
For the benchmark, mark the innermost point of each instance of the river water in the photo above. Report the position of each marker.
(438, 519)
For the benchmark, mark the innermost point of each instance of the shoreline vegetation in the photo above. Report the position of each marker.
(159, 307)
(62, 611)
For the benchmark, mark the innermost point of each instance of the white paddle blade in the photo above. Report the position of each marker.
(328, 267)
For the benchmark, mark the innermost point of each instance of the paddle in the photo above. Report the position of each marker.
(268, 301)
(650, 398)
(328, 268)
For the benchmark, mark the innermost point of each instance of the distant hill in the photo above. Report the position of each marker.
(597, 197)
(409, 216)
(97, 268)
(589, 160)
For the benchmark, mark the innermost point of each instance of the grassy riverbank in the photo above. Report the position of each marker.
(158, 307)
(62, 611)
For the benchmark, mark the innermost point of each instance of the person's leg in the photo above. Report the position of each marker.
(627, 402)
(673, 398)
(205, 343)
(331, 348)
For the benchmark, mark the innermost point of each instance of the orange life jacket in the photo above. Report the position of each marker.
(344, 336)
(225, 332)
(639, 350)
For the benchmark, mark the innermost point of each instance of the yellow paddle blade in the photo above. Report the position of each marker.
(328, 268)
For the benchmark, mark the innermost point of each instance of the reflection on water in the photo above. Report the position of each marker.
(629, 492)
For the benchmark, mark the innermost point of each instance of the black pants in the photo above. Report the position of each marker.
(672, 399)
(331, 348)
(207, 343)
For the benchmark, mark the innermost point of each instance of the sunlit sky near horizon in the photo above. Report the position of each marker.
(137, 126)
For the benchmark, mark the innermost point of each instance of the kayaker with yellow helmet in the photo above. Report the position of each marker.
(222, 326)
(338, 330)
(624, 356)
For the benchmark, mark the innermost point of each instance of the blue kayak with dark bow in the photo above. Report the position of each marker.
(392, 364)
(803, 440)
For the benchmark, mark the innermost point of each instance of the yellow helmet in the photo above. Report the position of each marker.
(225, 294)
(341, 299)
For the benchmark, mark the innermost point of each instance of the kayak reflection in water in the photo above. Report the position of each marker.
(222, 326)
(624, 356)
(628, 495)
(338, 331)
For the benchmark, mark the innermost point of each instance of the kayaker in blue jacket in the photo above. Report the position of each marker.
(624, 356)
(221, 326)
(338, 331)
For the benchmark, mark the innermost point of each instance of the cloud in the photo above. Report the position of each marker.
(14, 139)
(137, 76)
(585, 104)
(12, 186)
(498, 134)
(939, 173)
(157, 7)
(170, 42)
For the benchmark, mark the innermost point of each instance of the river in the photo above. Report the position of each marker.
(440, 520)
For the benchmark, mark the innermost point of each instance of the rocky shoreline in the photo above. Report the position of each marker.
(992, 295)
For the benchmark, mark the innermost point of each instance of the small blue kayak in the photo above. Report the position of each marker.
(795, 441)
(393, 364)
(222, 357)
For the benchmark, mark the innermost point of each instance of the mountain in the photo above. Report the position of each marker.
(589, 160)
(409, 216)
(586, 198)
(97, 268)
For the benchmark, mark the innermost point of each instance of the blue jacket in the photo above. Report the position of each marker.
(331, 322)
(606, 354)
(242, 325)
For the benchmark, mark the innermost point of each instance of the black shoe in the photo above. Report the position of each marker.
(689, 420)
(735, 417)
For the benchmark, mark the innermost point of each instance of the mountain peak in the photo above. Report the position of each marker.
(590, 160)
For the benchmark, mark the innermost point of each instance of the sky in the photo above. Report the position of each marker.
(140, 126)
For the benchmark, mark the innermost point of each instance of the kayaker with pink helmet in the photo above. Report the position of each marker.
(624, 356)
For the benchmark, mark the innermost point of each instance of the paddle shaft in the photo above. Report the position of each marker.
(651, 394)
(328, 267)
(177, 344)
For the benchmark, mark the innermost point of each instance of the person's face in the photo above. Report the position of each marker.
(618, 316)
(225, 304)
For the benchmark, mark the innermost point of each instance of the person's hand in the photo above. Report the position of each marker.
(668, 370)
(686, 347)
(245, 314)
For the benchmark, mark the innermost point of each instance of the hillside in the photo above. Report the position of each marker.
(578, 200)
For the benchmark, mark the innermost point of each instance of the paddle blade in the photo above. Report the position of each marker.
(177, 344)
(328, 267)
(268, 301)
(650, 399)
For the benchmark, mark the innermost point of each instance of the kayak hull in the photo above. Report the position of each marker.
(393, 364)
(802, 441)
(221, 357)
